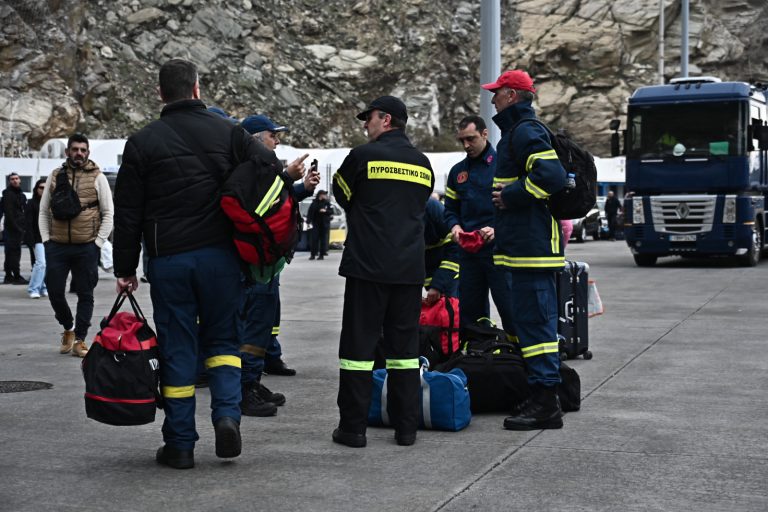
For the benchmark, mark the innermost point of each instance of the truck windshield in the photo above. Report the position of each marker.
(686, 130)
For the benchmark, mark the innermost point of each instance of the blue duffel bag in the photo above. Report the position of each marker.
(444, 400)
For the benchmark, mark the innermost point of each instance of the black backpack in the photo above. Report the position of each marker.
(65, 203)
(571, 202)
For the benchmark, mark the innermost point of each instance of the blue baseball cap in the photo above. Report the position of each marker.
(261, 123)
(222, 113)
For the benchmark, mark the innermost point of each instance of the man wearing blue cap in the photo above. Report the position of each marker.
(259, 322)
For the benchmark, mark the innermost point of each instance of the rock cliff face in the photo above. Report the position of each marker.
(69, 65)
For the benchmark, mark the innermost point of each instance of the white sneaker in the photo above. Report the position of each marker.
(44, 294)
(34, 295)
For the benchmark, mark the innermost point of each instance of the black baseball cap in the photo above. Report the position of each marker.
(389, 104)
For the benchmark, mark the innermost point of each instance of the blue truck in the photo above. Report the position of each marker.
(696, 170)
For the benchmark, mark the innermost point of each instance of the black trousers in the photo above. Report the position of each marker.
(370, 310)
(12, 264)
(83, 261)
(319, 240)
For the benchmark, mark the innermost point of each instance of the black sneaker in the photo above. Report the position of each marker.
(278, 367)
(228, 443)
(176, 459)
(266, 394)
(19, 280)
(254, 405)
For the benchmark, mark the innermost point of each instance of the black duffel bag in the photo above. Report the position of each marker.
(496, 376)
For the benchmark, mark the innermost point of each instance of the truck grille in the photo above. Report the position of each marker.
(683, 214)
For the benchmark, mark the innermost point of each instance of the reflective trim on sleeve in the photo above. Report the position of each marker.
(253, 350)
(449, 265)
(512, 338)
(427, 282)
(271, 196)
(343, 185)
(178, 391)
(349, 364)
(554, 262)
(448, 239)
(213, 362)
(542, 348)
(534, 190)
(451, 194)
(503, 181)
(276, 330)
(543, 155)
(403, 364)
(384, 170)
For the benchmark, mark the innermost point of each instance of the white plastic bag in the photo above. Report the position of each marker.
(594, 304)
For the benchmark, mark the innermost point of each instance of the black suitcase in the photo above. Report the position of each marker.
(572, 302)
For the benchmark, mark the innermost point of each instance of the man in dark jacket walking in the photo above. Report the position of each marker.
(14, 202)
(612, 208)
(168, 191)
(383, 186)
(319, 215)
(529, 243)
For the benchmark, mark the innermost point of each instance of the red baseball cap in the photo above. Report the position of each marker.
(471, 241)
(515, 79)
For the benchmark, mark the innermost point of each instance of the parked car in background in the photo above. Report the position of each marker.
(589, 225)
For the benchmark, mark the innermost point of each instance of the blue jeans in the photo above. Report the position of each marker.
(201, 284)
(37, 280)
(83, 261)
(254, 326)
(477, 276)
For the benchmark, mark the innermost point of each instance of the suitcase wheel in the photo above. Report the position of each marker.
(564, 356)
(588, 355)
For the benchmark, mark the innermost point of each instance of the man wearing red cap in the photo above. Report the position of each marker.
(529, 243)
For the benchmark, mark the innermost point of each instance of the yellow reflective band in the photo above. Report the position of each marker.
(503, 181)
(343, 185)
(427, 282)
(213, 362)
(441, 243)
(449, 265)
(383, 170)
(276, 330)
(541, 348)
(450, 193)
(486, 319)
(512, 339)
(253, 350)
(543, 155)
(402, 364)
(271, 196)
(349, 364)
(555, 236)
(526, 262)
(178, 391)
(534, 190)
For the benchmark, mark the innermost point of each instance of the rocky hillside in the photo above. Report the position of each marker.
(70, 65)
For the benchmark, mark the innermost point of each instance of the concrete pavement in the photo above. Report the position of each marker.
(674, 416)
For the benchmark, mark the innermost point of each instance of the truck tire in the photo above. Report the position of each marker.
(581, 234)
(752, 258)
(645, 260)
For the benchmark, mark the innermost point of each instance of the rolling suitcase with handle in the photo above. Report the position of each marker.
(572, 321)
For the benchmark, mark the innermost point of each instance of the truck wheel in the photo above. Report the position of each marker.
(753, 254)
(645, 260)
(581, 236)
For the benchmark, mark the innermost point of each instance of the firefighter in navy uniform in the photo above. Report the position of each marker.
(383, 186)
(529, 243)
(441, 256)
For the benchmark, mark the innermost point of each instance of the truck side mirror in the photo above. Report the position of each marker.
(614, 124)
(615, 149)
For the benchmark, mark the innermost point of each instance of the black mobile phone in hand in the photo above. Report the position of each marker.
(313, 166)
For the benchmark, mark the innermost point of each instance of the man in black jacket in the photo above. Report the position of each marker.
(319, 215)
(168, 191)
(383, 186)
(14, 202)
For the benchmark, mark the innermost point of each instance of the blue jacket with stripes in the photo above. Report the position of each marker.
(441, 253)
(527, 236)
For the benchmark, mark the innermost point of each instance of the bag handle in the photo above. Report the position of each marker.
(125, 293)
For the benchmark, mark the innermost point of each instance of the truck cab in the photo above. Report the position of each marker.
(696, 170)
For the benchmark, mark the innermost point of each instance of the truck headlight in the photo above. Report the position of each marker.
(729, 210)
(638, 213)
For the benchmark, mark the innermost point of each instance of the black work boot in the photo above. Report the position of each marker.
(228, 443)
(253, 404)
(349, 439)
(541, 411)
(174, 458)
(269, 396)
(278, 367)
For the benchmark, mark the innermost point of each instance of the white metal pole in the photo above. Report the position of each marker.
(490, 60)
(684, 42)
(661, 42)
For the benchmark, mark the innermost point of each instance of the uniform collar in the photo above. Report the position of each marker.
(180, 105)
(508, 117)
(487, 157)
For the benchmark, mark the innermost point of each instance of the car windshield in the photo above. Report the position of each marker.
(686, 129)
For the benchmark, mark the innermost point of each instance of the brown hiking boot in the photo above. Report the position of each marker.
(79, 349)
(67, 339)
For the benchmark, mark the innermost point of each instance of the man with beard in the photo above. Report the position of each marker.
(74, 244)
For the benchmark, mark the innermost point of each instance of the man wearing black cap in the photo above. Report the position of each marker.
(529, 243)
(383, 186)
